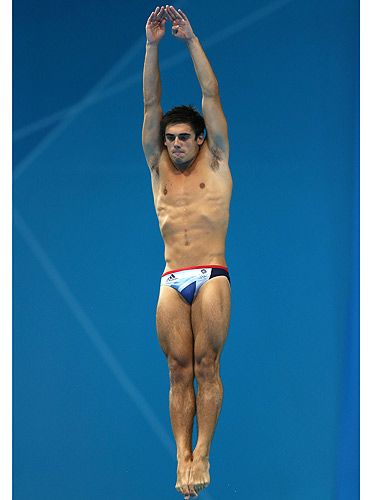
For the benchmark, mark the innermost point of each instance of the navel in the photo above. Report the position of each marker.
(165, 190)
(187, 243)
(202, 185)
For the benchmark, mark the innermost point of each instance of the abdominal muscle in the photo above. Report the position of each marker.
(190, 245)
(193, 219)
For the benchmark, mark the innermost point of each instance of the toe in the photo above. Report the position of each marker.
(185, 491)
(200, 486)
(193, 492)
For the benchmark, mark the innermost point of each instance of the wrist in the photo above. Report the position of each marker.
(191, 40)
(151, 44)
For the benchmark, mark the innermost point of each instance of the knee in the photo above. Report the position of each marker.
(181, 371)
(206, 369)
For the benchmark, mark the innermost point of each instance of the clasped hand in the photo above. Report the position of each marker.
(155, 26)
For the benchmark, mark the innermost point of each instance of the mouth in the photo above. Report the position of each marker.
(177, 153)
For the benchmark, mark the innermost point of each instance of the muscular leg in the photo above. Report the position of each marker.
(173, 323)
(210, 321)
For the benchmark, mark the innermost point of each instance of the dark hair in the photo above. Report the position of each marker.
(183, 114)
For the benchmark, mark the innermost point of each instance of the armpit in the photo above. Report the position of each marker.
(153, 164)
(217, 157)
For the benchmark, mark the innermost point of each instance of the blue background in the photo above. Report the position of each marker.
(90, 383)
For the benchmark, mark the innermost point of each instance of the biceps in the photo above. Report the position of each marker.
(216, 124)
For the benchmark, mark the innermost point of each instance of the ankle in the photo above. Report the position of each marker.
(201, 453)
(184, 456)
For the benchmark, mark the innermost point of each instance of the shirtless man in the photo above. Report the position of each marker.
(192, 186)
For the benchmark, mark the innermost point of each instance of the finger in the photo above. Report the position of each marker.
(184, 16)
(160, 14)
(178, 16)
(172, 12)
(168, 10)
(169, 15)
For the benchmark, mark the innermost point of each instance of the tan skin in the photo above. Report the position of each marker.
(192, 185)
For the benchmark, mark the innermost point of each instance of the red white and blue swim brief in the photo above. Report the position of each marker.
(188, 280)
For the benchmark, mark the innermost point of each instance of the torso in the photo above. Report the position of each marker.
(193, 209)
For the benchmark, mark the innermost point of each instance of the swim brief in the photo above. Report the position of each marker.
(188, 280)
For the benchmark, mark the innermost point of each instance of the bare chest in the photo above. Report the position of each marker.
(199, 188)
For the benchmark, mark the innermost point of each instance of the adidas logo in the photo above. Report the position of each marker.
(171, 277)
(203, 271)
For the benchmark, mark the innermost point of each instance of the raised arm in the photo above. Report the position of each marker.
(216, 124)
(155, 30)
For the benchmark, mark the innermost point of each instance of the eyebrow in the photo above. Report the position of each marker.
(176, 135)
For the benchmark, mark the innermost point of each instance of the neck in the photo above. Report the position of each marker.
(183, 166)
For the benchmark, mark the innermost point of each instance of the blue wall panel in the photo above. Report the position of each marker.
(90, 382)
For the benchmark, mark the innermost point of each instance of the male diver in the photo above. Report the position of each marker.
(192, 185)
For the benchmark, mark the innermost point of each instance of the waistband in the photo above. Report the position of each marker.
(195, 267)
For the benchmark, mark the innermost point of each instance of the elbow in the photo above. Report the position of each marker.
(151, 104)
(211, 89)
(151, 97)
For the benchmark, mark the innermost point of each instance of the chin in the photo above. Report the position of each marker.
(176, 160)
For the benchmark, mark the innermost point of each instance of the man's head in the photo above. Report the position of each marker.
(182, 132)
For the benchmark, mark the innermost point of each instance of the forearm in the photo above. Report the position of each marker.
(203, 69)
(151, 76)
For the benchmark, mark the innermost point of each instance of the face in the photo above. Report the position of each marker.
(181, 144)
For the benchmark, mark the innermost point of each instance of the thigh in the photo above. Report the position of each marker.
(210, 314)
(173, 324)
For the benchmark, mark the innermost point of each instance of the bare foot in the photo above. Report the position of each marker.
(200, 475)
(183, 479)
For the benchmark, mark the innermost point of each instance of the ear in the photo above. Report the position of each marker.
(200, 139)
